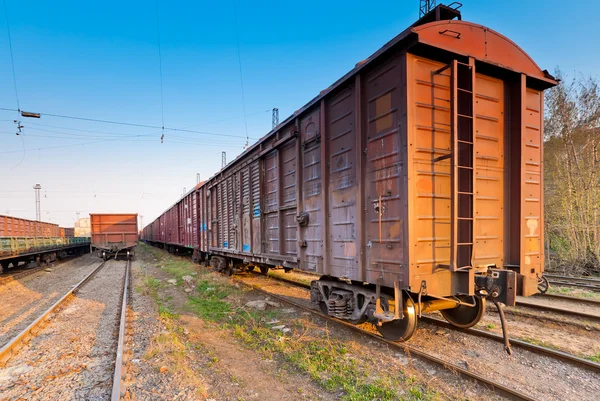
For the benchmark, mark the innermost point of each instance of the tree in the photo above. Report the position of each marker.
(572, 177)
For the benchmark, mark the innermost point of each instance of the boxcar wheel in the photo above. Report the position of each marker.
(401, 329)
(543, 285)
(264, 270)
(464, 316)
(323, 307)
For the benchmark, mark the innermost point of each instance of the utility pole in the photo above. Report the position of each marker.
(38, 213)
(223, 159)
(142, 220)
(425, 6)
(275, 117)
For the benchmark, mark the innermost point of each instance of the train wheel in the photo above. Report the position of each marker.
(464, 316)
(401, 329)
(323, 307)
(543, 285)
(264, 270)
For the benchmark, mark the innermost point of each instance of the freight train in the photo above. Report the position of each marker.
(114, 234)
(24, 241)
(410, 185)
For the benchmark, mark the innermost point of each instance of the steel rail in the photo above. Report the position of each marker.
(554, 309)
(409, 350)
(119, 368)
(12, 347)
(6, 277)
(20, 274)
(587, 301)
(574, 284)
(573, 278)
(581, 362)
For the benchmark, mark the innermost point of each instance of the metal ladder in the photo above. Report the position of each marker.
(463, 164)
(462, 161)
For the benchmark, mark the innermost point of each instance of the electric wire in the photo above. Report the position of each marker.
(12, 59)
(237, 37)
(14, 73)
(131, 124)
(162, 104)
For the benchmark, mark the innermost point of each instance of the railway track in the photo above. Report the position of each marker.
(18, 342)
(563, 356)
(8, 277)
(500, 388)
(570, 281)
(493, 385)
(586, 301)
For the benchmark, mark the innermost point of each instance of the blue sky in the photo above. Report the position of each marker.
(100, 60)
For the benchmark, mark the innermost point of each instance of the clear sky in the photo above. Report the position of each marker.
(100, 60)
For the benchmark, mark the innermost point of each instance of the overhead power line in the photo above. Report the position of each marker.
(239, 54)
(12, 59)
(162, 103)
(131, 124)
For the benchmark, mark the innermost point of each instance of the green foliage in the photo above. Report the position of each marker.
(326, 361)
(572, 176)
(594, 358)
(209, 304)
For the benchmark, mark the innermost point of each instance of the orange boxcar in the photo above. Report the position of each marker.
(114, 234)
(414, 182)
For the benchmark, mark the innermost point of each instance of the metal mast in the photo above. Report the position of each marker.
(275, 117)
(425, 6)
(223, 159)
(38, 213)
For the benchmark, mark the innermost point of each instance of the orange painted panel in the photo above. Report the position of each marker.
(481, 43)
(489, 171)
(429, 185)
(531, 168)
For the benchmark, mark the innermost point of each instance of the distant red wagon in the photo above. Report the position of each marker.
(114, 235)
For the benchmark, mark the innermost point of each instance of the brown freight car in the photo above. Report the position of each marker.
(114, 234)
(17, 227)
(412, 184)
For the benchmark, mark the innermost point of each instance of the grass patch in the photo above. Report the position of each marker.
(574, 292)
(327, 361)
(490, 326)
(209, 304)
(307, 348)
(593, 358)
(540, 343)
(178, 269)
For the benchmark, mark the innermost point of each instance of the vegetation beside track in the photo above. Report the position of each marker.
(340, 366)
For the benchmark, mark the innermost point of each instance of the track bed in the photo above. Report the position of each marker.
(74, 355)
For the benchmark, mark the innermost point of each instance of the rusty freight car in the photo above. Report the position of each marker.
(114, 234)
(412, 184)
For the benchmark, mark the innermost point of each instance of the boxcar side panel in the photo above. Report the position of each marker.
(531, 187)
(342, 150)
(312, 201)
(288, 199)
(271, 210)
(489, 174)
(255, 177)
(384, 173)
(246, 206)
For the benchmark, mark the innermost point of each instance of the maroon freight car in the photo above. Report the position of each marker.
(412, 183)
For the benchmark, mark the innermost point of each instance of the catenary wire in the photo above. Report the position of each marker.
(162, 103)
(130, 124)
(237, 37)
(12, 59)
